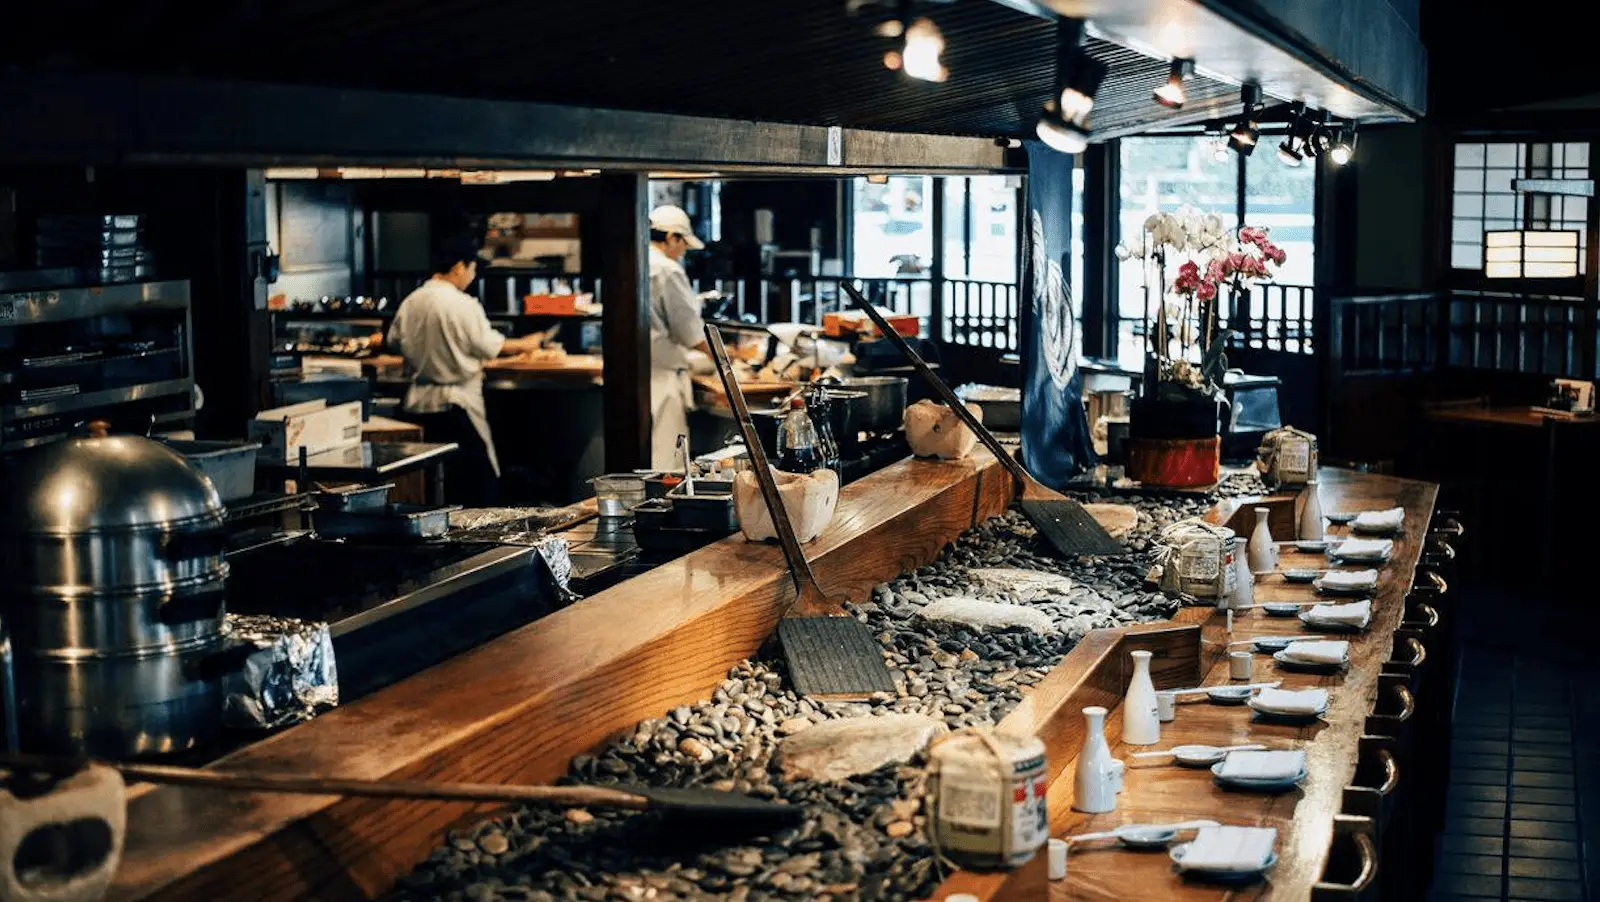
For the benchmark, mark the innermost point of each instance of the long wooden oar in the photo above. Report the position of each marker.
(1062, 521)
(828, 651)
(705, 804)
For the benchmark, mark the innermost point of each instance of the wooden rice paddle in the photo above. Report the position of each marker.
(1062, 521)
(829, 652)
(703, 804)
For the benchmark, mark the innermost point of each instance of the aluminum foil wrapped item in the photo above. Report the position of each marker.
(288, 677)
(526, 526)
(554, 551)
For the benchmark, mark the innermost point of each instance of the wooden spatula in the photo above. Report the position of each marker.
(829, 652)
(1062, 521)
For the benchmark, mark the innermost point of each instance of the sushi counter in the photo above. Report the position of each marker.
(669, 679)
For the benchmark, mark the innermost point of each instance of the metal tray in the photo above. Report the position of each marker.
(396, 521)
(367, 498)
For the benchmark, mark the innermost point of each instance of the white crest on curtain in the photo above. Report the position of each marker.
(1053, 310)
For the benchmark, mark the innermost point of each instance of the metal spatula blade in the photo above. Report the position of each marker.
(1060, 520)
(829, 652)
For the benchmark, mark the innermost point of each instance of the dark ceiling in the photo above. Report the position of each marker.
(804, 61)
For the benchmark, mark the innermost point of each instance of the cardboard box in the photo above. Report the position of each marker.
(849, 323)
(282, 431)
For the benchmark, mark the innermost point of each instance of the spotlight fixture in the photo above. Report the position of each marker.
(1064, 124)
(1288, 154)
(1171, 95)
(1344, 146)
(1248, 131)
(1293, 150)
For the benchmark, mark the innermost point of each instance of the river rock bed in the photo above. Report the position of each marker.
(864, 835)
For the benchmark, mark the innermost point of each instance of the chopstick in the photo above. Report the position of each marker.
(1112, 834)
(1246, 747)
(1302, 604)
(1254, 639)
(1191, 691)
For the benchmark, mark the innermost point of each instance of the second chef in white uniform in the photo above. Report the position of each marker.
(675, 330)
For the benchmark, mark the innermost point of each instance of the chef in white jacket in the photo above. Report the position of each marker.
(445, 337)
(675, 329)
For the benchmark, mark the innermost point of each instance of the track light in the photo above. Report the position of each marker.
(1248, 131)
(1288, 154)
(921, 43)
(1344, 146)
(1171, 95)
(1064, 124)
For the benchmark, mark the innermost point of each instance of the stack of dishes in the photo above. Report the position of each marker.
(1227, 854)
(1316, 656)
(1260, 771)
(1339, 618)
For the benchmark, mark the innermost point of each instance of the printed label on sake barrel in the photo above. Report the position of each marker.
(984, 818)
(1294, 459)
(1230, 580)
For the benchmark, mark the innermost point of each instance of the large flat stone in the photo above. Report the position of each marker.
(840, 749)
(986, 615)
(1117, 519)
(1024, 585)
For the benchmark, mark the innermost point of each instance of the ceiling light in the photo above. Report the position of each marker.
(1288, 155)
(1059, 134)
(918, 54)
(1344, 146)
(878, 178)
(1171, 94)
(1244, 137)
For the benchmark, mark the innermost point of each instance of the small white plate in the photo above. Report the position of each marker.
(1148, 837)
(1229, 695)
(1177, 854)
(1312, 545)
(1253, 785)
(1281, 609)
(1326, 589)
(1279, 714)
(1341, 516)
(1266, 644)
(1301, 574)
(1197, 755)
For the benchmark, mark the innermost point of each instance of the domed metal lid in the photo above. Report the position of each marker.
(103, 483)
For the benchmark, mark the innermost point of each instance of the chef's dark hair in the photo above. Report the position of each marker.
(456, 249)
(658, 236)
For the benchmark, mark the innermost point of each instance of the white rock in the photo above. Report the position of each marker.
(981, 615)
(1117, 519)
(1024, 584)
(809, 499)
(840, 749)
(933, 430)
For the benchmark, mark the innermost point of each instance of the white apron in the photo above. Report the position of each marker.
(670, 398)
(422, 398)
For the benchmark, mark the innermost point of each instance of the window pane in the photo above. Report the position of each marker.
(1468, 230)
(1076, 275)
(1163, 174)
(1283, 200)
(1577, 155)
(1504, 155)
(1503, 206)
(1469, 155)
(955, 218)
(893, 226)
(1466, 256)
(1469, 205)
(993, 256)
(1498, 181)
(1468, 179)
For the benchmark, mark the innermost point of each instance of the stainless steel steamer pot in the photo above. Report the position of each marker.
(112, 578)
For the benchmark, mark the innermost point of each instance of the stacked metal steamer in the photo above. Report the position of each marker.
(112, 580)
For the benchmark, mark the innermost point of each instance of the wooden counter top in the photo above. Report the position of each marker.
(1097, 671)
(520, 707)
(572, 366)
(1515, 417)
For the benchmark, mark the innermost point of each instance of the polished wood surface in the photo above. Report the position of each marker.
(1096, 673)
(517, 709)
(1519, 417)
(574, 366)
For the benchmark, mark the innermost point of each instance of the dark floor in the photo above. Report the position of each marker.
(1523, 820)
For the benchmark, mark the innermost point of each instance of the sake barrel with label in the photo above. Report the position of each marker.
(987, 794)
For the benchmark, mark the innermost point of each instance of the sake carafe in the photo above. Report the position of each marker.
(1311, 528)
(1244, 588)
(1141, 721)
(1094, 788)
(1262, 551)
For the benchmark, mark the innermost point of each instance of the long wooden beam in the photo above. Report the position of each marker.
(519, 708)
(94, 118)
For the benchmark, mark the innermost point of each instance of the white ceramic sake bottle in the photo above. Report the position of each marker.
(1244, 584)
(1094, 788)
(1262, 551)
(1311, 525)
(1141, 720)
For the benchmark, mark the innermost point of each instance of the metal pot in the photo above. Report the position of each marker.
(884, 407)
(112, 574)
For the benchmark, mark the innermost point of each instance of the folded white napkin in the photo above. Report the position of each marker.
(1365, 548)
(1290, 701)
(1263, 765)
(1350, 579)
(1318, 651)
(1231, 848)
(1379, 521)
(1356, 613)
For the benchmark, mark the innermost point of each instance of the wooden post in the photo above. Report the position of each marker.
(625, 295)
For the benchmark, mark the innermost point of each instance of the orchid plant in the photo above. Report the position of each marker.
(1185, 326)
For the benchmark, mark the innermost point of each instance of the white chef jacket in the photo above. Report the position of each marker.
(445, 338)
(675, 327)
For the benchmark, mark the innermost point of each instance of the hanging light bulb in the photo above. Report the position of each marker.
(919, 54)
(1344, 147)
(1171, 94)
(1245, 135)
(1064, 123)
(1060, 134)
